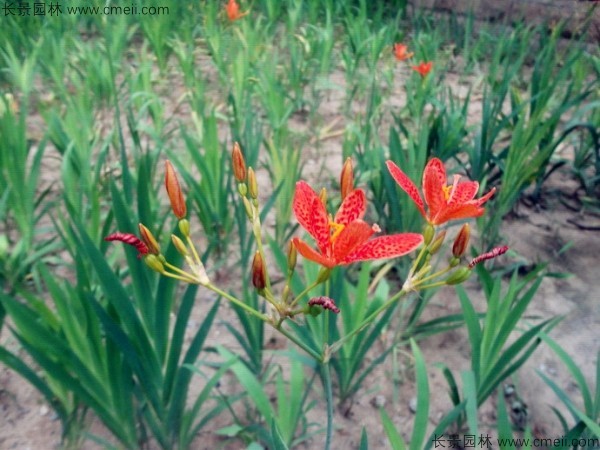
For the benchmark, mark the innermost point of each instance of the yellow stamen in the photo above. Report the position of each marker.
(337, 229)
(446, 190)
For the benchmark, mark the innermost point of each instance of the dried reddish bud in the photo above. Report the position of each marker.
(347, 178)
(252, 184)
(489, 255)
(259, 278)
(130, 239)
(238, 163)
(174, 191)
(461, 242)
(149, 240)
(325, 303)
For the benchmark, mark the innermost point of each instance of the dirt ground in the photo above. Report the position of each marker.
(535, 233)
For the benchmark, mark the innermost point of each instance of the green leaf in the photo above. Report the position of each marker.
(276, 438)
(250, 383)
(394, 437)
(422, 415)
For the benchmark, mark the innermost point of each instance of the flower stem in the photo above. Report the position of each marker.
(239, 303)
(304, 292)
(317, 357)
(338, 344)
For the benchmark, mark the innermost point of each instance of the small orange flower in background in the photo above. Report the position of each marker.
(401, 52)
(233, 11)
(444, 202)
(424, 68)
(346, 238)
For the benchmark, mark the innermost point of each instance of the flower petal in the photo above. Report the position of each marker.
(407, 185)
(463, 192)
(352, 237)
(352, 208)
(309, 253)
(434, 181)
(391, 246)
(486, 197)
(456, 212)
(311, 214)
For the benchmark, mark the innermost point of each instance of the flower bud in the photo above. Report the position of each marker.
(461, 242)
(149, 240)
(292, 256)
(248, 207)
(174, 191)
(323, 275)
(323, 197)
(437, 242)
(259, 278)
(347, 178)
(252, 185)
(428, 233)
(238, 163)
(184, 227)
(154, 263)
(458, 276)
(315, 310)
(179, 245)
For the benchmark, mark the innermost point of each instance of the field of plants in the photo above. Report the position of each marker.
(288, 224)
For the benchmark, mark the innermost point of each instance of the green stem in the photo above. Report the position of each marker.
(239, 303)
(317, 357)
(304, 292)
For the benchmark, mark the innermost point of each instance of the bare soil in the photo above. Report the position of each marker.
(536, 233)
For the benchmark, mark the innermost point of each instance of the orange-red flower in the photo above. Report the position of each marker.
(345, 238)
(424, 68)
(444, 202)
(233, 11)
(401, 52)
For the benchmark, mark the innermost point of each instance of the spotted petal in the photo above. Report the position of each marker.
(463, 192)
(309, 253)
(311, 214)
(352, 237)
(457, 212)
(352, 208)
(407, 185)
(391, 246)
(434, 181)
